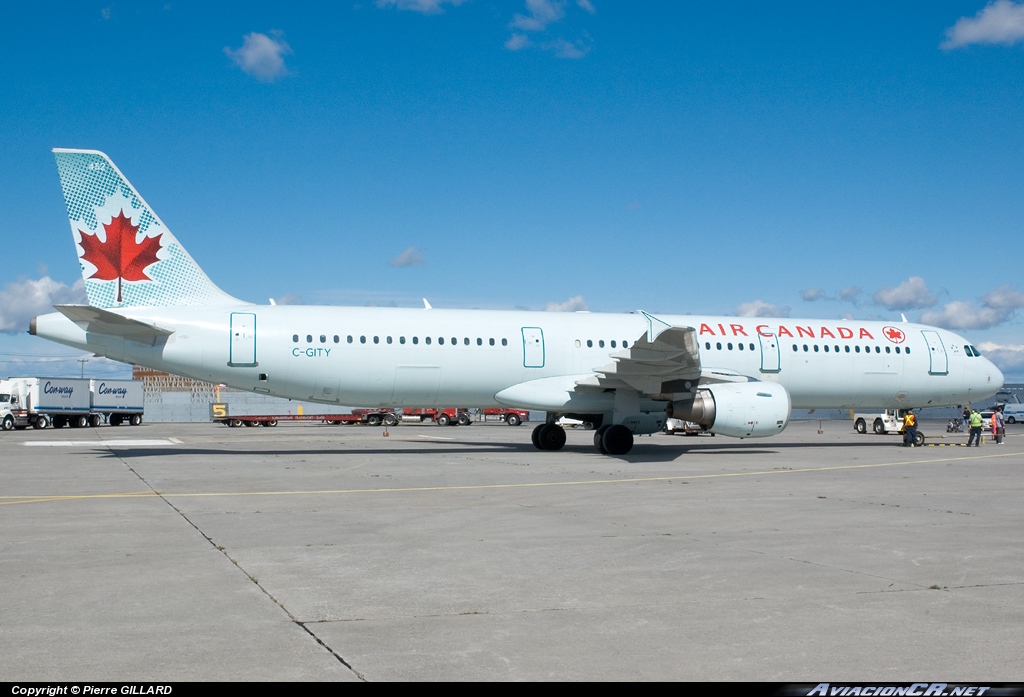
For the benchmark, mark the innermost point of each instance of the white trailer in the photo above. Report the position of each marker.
(120, 401)
(40, 402)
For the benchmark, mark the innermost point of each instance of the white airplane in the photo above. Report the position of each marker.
(151, 304)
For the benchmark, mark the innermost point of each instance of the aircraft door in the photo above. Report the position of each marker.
(533, 347)
(770, 359)
(937, 354)
(242, 350)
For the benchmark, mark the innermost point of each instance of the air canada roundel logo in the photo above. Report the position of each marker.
(894, 334)
(120, 257)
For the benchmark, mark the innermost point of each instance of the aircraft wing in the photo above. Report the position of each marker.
(98, 321)
(666, 359)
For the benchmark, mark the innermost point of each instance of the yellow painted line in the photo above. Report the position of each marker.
(9, 500)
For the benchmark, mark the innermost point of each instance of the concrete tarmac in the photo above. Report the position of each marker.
(312, 552)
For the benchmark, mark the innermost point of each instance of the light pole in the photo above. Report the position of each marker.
(83, 361)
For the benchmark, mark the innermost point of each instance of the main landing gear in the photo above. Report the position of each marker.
(609, 440)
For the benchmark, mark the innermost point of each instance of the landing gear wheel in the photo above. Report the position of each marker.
(535, 436)
(514, 420)
(390, 420)
(919, 439)
(550, 437)
(878, 427)
(617, 440)
(443, 420)
(599, 437)
(860, 426)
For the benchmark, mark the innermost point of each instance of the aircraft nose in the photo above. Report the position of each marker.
(990, 376)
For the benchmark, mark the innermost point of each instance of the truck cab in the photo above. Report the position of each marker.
(887, 421)
(6, 417)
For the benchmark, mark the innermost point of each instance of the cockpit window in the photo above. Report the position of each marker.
(976, 351)
(968, 350)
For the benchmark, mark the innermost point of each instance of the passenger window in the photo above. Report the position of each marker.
(480, 342)
(718, 345)
(837, 349)
(295, 338)
(795, 348)
(590, 343)
(625, 344)
(491, 342)
(729, 345)
(847, 348)
(888, 350)
(857, 349)
(426, 340)
(440, 340)
(466, 341)
(815, 348)
(878, 349)
(897, 349)
(350, 338)
(613, 343)
(751, 347)
(389, 339)
(455, 342)
(362, 340)
(504, 342)
(907, 350)
(376, 339)
(323, 339)
(401, 339)
(337, 339)
(826, 348)
(707, 345)
(415, 340)
(805, 348)
(309, 338)
(740, 346)
(600, 343)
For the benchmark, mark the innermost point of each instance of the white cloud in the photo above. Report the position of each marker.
(290, 299)
(542, 13)
(567, 49)
(999, 22)
(573, 304)
(517, 41)
(964, 315)
(1005, 297)
(759, 308)
(427, 7)
(812, 294)
(22, 300)
(1009, 358)
(413, 256)
(586, 5)
(912, 293)
(261, 56)
(850, 293)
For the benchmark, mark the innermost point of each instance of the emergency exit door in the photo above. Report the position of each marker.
(533, 347)
(769, 353)
(242, 351)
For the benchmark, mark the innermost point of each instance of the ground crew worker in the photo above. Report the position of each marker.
(998, 425)
(909, 429)
(975, 422)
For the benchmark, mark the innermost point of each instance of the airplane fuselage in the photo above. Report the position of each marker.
(415, 357)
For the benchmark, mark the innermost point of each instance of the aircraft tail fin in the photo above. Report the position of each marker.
(128, 256)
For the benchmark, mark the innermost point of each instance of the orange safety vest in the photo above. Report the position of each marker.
(909, 420)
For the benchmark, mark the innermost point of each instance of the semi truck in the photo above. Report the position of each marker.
(75, 402)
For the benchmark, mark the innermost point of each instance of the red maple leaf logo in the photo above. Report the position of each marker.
(894, 334)
(120, 257)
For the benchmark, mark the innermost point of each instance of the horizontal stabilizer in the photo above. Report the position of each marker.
(98, 321)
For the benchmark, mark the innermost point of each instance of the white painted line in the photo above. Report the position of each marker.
(435, 437)
(104, 443)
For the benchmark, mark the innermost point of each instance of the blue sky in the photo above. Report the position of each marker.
(800, 159)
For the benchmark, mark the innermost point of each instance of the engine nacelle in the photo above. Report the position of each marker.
(738, 409)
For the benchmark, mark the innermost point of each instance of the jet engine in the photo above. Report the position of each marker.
(738, 409)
